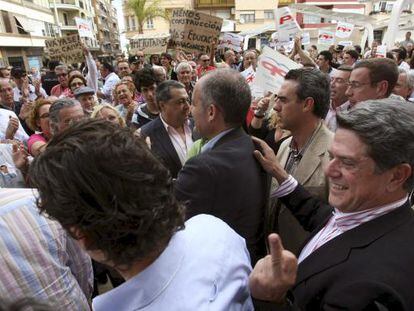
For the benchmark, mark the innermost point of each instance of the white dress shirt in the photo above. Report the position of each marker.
(180, 146)
(110, 81)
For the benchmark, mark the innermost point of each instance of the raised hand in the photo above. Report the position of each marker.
(274, 274)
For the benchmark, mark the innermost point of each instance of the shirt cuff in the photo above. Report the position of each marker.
(285, 188)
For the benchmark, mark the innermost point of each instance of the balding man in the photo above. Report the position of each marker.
(224, 180)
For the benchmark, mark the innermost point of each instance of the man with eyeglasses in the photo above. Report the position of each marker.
(171, 132)
(204, 65)
(63, 113)
(62, 88)
(339, 101)
(372, 78)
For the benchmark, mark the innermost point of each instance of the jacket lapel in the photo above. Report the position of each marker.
(309, 163)
(165, 143)
(338, 249)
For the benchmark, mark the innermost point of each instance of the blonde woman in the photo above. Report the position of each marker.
(38, 121)
(109, 113)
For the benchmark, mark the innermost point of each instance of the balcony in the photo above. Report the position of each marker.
(65, 4)
(204, 4)
(70, 25)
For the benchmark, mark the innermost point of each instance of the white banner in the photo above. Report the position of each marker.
(345, 43)
(344, 30)
(326, 37)
(381, 51)
(85, 28)
(286, 24)
(231, 41)
(306, 38)
(271, 70)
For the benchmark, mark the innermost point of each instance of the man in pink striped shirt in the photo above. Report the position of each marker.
(359, 255)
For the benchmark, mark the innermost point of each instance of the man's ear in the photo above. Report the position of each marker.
(382, 88)
(309, 104)
(213, 112)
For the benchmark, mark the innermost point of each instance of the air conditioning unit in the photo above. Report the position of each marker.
(233, 11)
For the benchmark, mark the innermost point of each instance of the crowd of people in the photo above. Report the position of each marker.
(162, 176)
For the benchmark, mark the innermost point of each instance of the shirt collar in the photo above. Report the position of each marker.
(144, 288)
(346, 220)
(167, 126)
(211, 143)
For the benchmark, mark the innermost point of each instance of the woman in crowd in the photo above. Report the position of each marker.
(166, 62)
(109, 113)
(76, 81)
(124, 94)
(38, 121)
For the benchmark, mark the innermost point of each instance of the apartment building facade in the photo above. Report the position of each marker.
(24, 26)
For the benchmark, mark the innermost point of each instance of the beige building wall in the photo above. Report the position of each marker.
(261, 10)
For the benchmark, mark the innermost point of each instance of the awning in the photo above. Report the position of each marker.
(24, 22)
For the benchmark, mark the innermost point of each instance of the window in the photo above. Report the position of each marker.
(247, 17)
(6, 21)
(268, 14)
(20, 28)
(150, 23)
(81, 5)
(65, 19)
(133, 27)
(311, 19)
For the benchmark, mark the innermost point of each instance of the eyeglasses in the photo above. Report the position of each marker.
(77, 84)
(339, 80)
(61, 75)
(205, 60)
(355, 85)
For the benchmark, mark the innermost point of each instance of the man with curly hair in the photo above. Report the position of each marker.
(127, 217)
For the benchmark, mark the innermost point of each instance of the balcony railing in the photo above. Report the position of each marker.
(215, 3)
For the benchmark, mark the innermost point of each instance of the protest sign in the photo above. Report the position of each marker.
(85, 28)
(344, 30)
(66, 49)
(271, 70)
(286, 25)
(194, 31)
(249, 75)
(306, 38)
(345, 43)
(381, 51)
(149, 44)
(326, 37)
(231, 41)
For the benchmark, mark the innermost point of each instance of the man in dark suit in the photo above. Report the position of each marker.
(225, 180)
(171, 132)
(359, 255)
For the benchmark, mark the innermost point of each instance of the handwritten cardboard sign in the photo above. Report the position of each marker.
(194, 31)
(149, 44)
(66, 49)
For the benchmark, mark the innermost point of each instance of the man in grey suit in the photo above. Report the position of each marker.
(302, 103)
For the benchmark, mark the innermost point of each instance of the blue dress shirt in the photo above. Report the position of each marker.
(206, 266)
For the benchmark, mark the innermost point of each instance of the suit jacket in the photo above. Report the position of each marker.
(228, 182)
(308, 173)
(161, 145)
(360, 269)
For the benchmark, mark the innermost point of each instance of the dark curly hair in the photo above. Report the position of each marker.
(99, 178)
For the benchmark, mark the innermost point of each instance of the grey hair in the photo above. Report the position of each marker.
(227, 89)
(182, 66)
(386, 128)
(410, 76)
(163, 91)
(57, 106)
(62, 67)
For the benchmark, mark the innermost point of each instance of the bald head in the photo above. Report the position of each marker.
(6, 92)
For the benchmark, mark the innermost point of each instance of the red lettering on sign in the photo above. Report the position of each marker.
(284, 19)
(273, 69)
(344, 29)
